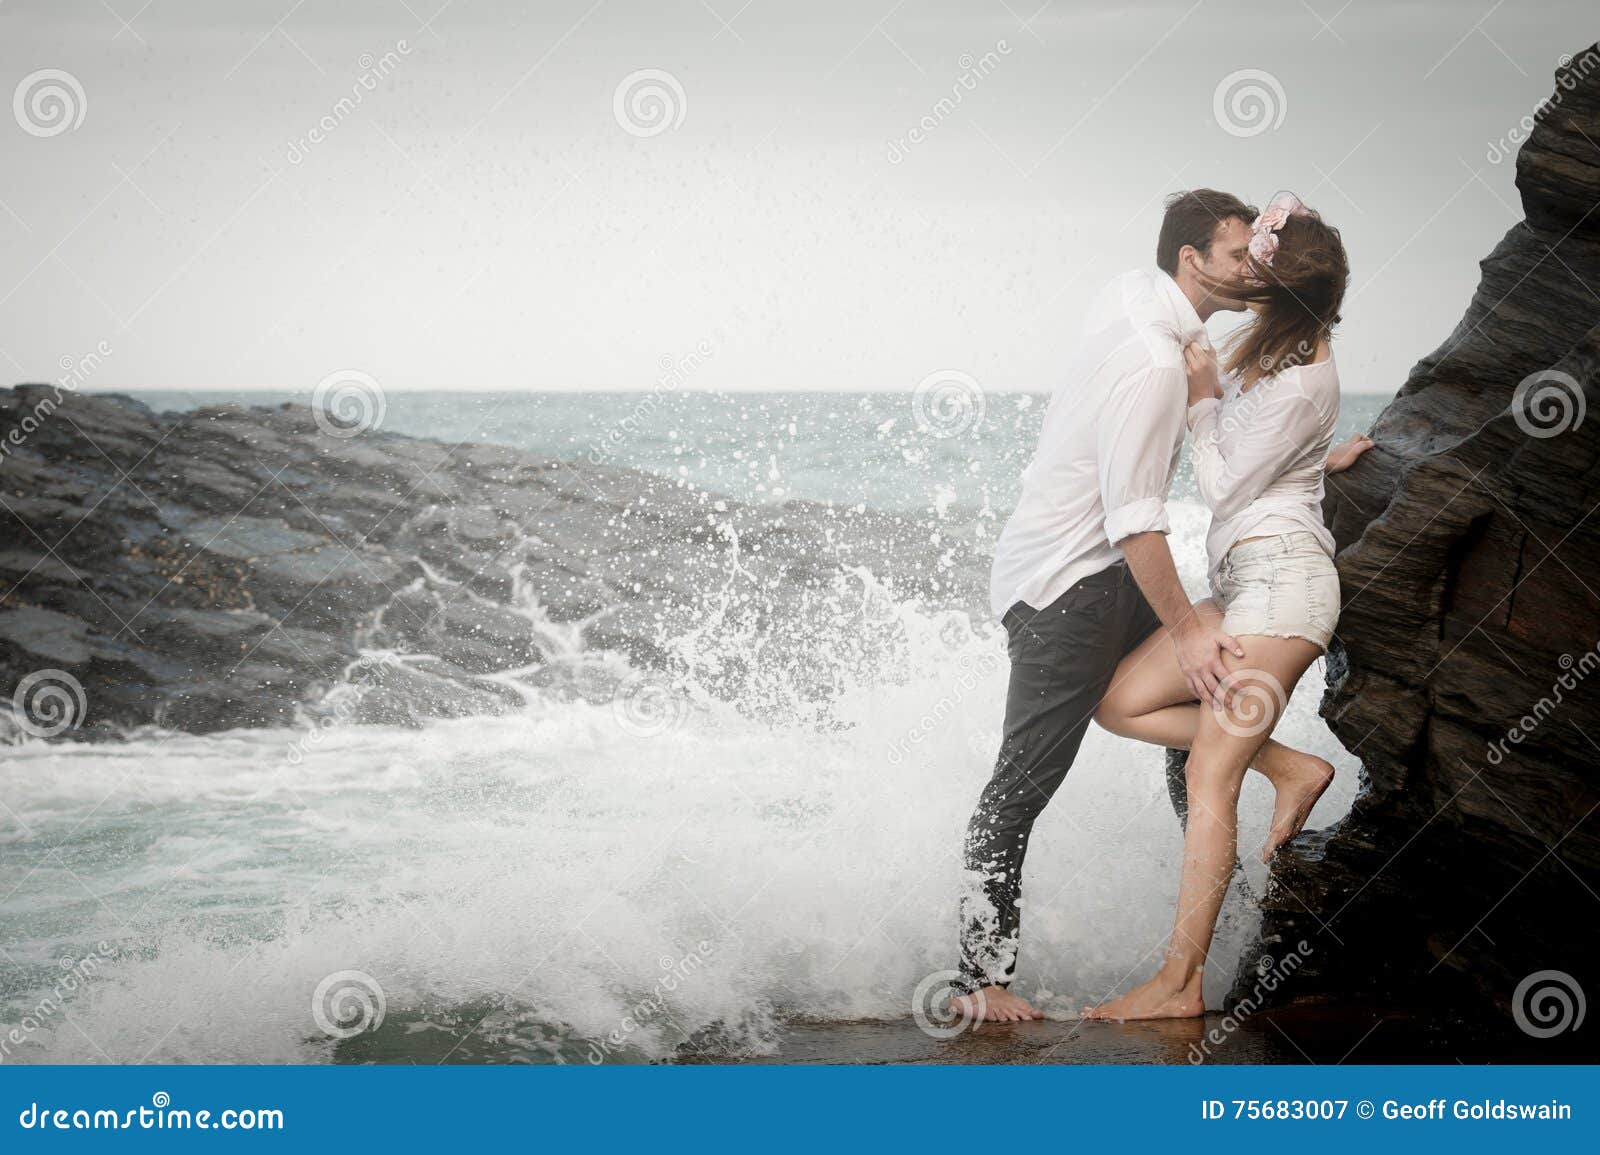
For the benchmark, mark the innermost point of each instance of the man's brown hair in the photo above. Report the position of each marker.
(1192, 219)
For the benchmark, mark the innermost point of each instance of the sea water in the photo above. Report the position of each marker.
(565, 884)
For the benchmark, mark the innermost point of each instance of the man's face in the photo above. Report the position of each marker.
(1230, 244)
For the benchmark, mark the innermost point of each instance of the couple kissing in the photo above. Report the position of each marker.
(1099, 627)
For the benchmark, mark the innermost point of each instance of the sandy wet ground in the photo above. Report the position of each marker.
(1345, 1034)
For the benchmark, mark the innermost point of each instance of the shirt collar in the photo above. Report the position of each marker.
(1190, 325)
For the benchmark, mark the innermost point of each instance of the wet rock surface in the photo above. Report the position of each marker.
(1354, 1033)
(226, 567)
(1466, 674)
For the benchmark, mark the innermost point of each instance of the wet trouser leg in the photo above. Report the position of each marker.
(1062, 661)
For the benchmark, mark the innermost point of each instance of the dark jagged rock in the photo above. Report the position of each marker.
(226, 567)
(1466, 675)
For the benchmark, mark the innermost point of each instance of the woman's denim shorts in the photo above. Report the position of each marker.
(1283, 586)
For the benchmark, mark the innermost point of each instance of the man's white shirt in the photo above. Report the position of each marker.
(1109, 446)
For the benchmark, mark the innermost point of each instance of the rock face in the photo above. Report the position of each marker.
(226, 567)
(1467, 673)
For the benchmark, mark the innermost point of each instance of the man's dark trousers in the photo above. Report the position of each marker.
(1062, 661)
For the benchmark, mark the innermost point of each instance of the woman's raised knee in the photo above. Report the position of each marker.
(1111, 716)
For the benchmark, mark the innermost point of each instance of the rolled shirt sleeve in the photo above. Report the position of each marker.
(1233, 464)
(1139, 434)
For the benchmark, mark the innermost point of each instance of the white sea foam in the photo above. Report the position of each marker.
(545, 870)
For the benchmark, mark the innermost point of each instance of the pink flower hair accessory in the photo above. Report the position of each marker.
(1264, 232)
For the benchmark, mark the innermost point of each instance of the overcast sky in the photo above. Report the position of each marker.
(215, 206)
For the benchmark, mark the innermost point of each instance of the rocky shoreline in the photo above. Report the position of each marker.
(1465, 672)
(227, 567)
(234, 566)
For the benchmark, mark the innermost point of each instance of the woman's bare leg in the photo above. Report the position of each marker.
(1225, 744)
(1150, 700)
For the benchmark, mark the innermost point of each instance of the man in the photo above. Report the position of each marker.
(1082, 572)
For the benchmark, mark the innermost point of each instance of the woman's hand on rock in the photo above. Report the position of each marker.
(1341, 456)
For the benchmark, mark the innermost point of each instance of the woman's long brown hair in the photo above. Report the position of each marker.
(1297, 299)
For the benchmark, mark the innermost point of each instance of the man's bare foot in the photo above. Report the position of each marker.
(994, 1005)
(1300, 779)
(1163, 997)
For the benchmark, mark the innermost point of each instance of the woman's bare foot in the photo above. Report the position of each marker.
(994, 1005)
(1300, 779)
(1167, 996)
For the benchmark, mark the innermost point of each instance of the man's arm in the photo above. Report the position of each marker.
(1199, 646)
(1136, 435)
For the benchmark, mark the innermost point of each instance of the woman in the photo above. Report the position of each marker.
(1260, 449)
